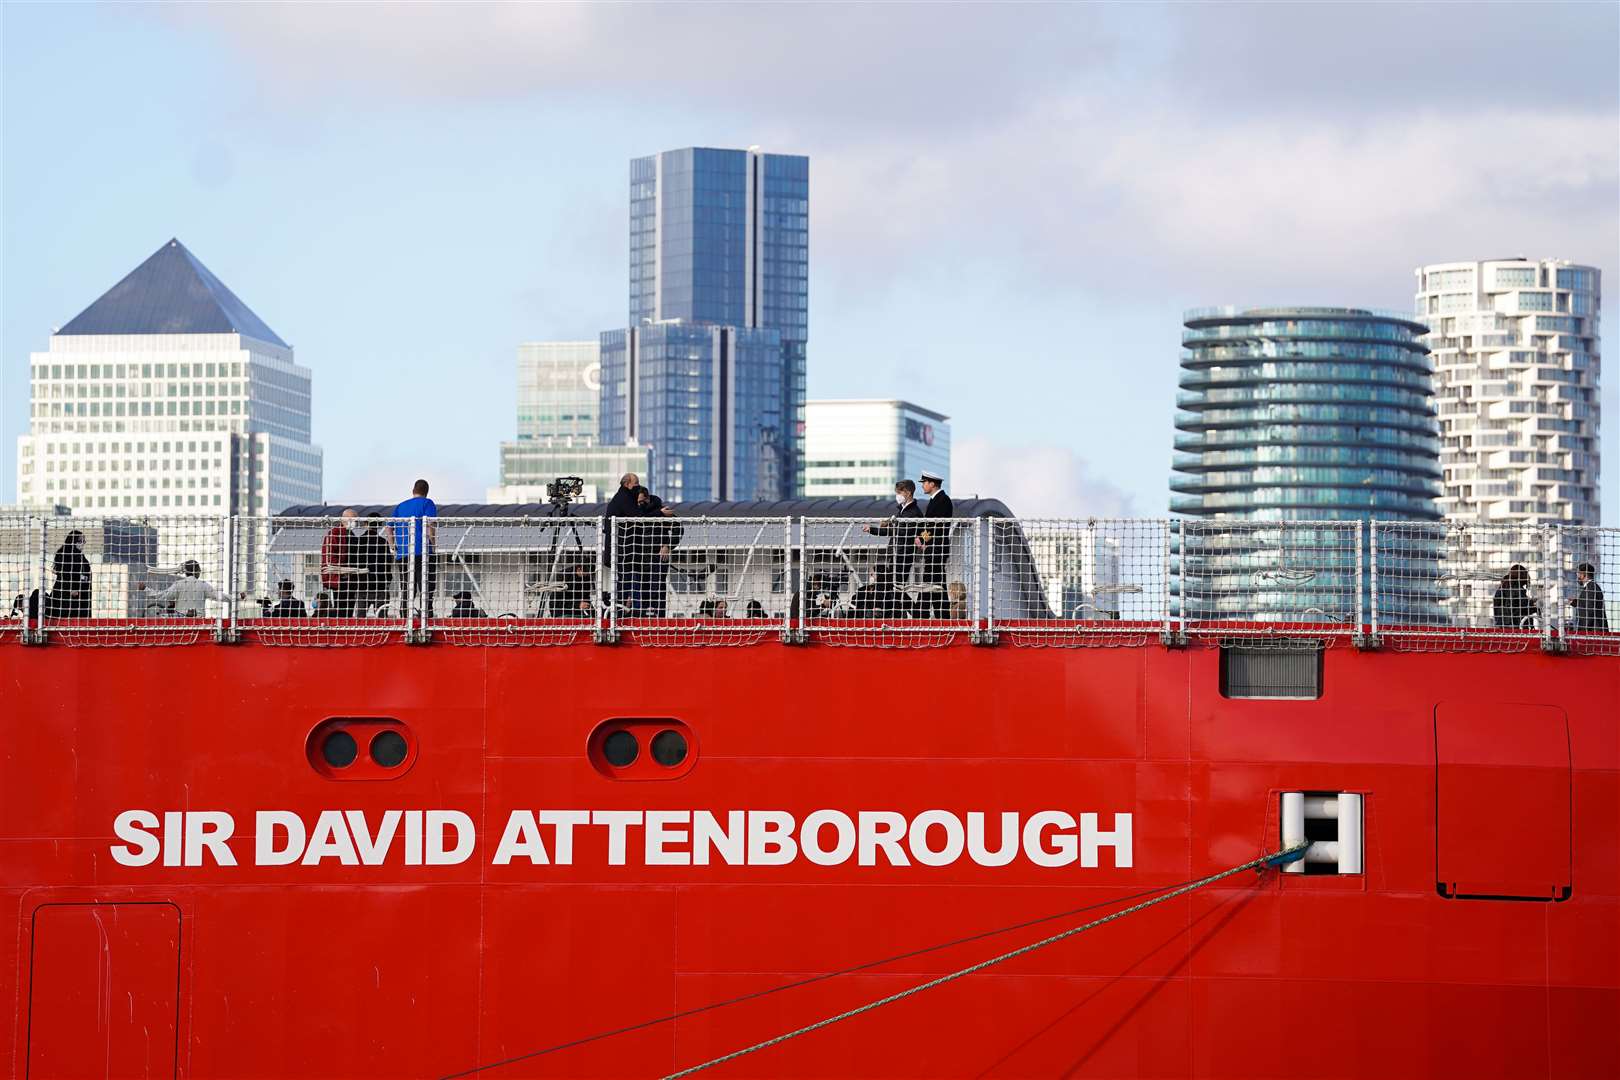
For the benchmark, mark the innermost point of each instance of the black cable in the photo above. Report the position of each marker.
(814, 979)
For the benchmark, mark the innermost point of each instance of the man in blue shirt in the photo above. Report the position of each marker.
(415, 538)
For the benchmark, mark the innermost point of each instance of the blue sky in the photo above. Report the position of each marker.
(1010, 205)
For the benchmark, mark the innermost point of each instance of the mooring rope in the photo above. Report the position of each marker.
(1275, 858)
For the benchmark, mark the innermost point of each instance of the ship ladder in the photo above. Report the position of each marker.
(1276, 858)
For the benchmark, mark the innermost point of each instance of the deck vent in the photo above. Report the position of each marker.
(1279, 674)
(1331, 820)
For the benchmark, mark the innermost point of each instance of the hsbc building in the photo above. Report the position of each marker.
(861, 447)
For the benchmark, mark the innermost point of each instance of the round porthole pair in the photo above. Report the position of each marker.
(387, 749)
(621, 748)
(361, 748)
(642, 749)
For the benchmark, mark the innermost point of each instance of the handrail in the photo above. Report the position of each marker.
(739, 580)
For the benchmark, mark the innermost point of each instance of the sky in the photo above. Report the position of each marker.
(1010, 205)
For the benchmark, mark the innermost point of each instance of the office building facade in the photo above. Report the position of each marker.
(168, 396)
(1516, 350)
(861, 447)
(719, 275)
(559, 428)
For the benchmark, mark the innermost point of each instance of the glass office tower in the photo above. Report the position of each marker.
(718, 241)
(1300, 414)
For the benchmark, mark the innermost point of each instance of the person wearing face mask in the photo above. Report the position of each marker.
(902, 531)
(337, 559)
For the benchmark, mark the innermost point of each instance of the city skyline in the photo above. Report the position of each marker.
(407, 233)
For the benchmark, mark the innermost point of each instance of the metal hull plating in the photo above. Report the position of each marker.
(391, 970)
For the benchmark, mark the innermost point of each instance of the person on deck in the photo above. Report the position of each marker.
(369, 550)
(1590, 615)
(337, 555)
(621, 506)
(413, 545)
(1511, 607)
(934, 544)
(287, 606)
(190, 595)
(70, 597)
(902, 530)
(654, 548)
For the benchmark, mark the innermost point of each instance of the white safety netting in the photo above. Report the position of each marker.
(156, 580)
(1476, 587)
(700, 580)
(1098, 581)
(1587, 580)
(22, 570)
(326, 580)
(898, 582)
(517, 581)
(1288, 583)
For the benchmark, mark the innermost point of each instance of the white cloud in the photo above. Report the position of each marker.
(1035, 480)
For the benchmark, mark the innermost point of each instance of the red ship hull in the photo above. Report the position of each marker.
(397, 969)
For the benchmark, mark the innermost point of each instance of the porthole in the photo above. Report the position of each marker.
(642, 748)
(388, 748)
(338, 749)
(334, 747)
(620, 748)
(669, 748)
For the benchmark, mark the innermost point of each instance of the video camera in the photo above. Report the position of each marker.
(563, 490)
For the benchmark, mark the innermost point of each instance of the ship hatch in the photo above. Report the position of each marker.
(103, 995)
(1502, 801)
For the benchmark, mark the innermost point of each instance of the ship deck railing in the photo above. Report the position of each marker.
(855, 581)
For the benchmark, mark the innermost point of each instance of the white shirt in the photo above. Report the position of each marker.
(190, 595)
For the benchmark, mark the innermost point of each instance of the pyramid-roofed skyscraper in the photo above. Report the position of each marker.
(168, 396)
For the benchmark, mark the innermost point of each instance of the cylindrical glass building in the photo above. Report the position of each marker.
(1299, 414)
(1305, 413)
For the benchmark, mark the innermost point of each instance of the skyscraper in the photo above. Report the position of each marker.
(1516, 350)
(1299, 413)
(558, 426)
(709, 373)
(168, 396)
(862, 447)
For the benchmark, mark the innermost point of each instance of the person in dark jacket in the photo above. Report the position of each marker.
(1511, 607)
(654, 548)
(876, 598)
(70, 597)
(1590, 615)
(579, 584)
(287, 606)
(902, 530)
(368, 549)
(465, 608)
(934, 544)
(621, 506)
